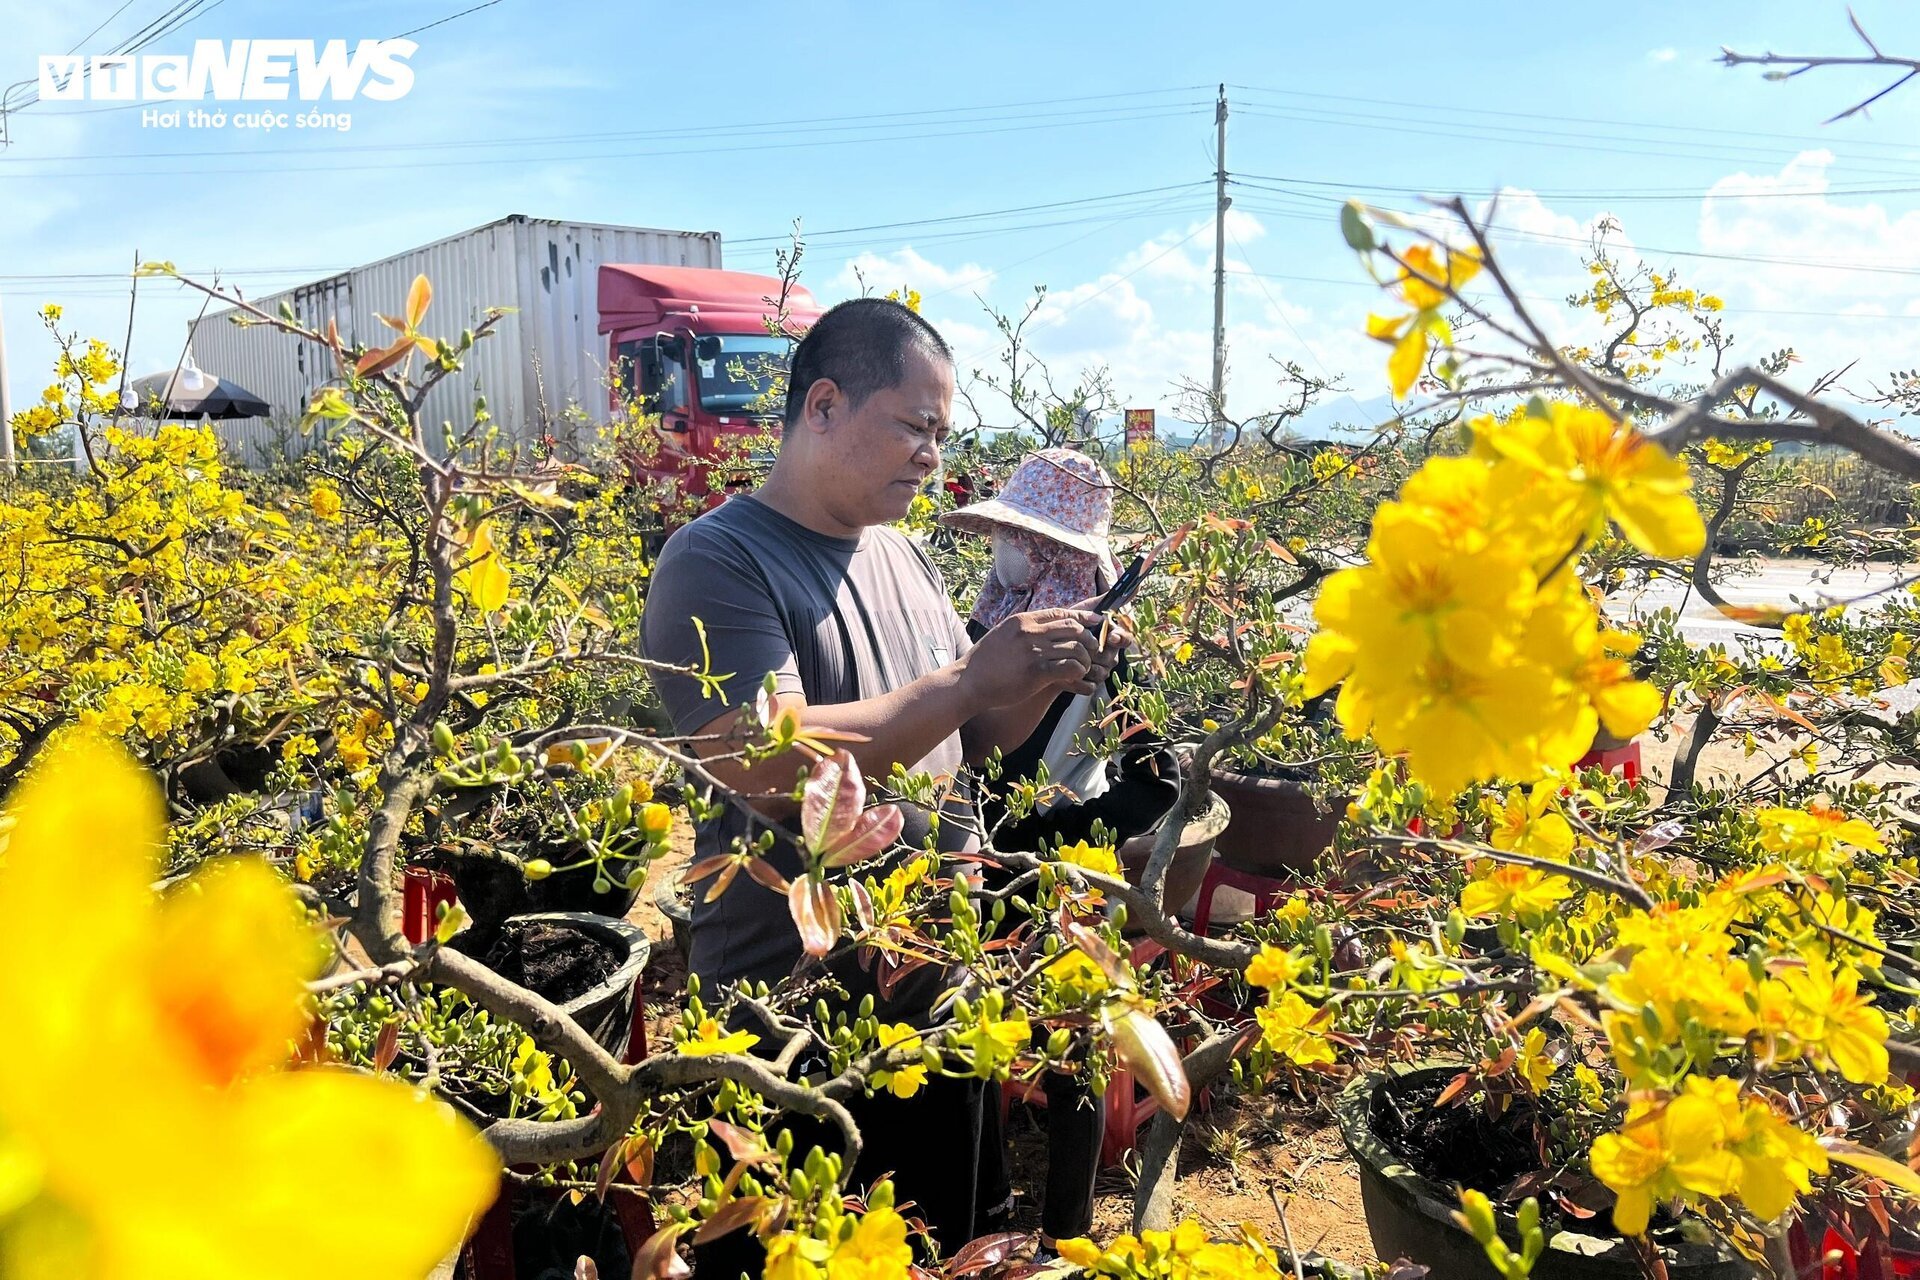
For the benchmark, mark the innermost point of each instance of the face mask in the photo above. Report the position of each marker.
(1010, 563)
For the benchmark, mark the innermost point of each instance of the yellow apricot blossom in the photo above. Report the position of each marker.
(708, 1038)
(1275, 967)
(1094, 857)
(1705, 1143)
(1502, 889)
(1295, 1030)
(1530, 826)
(1820, 838)
(171, 1019)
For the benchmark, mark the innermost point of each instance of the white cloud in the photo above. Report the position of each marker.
(908, 269)
(1662, 55)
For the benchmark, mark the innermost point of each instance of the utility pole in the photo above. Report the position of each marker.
(1219, 399)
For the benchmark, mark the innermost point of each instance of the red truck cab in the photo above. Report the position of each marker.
(703, 348)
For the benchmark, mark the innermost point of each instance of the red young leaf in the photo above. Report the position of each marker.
(386, 1047)
(657, 1259)
(986, 1251)
(1455, 1087)
(418, 298)
(732, 1216)
(1145, 1049)
(378, 359)
(1099, 952)
(835, 795)
(763, 873)
(726, 878)
(705, 867)
(873, 831)
(816, 911)
(739, 1142)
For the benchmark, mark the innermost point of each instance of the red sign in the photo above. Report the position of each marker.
(1139, 426)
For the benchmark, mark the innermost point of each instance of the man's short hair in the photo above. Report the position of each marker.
(862, 345)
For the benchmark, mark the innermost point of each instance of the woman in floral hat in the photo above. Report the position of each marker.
(1050, 525)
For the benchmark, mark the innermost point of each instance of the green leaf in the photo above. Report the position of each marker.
(1353, 225)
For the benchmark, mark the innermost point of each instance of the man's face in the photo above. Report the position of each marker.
(881, 452)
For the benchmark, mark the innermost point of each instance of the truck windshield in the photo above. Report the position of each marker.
(742, 373)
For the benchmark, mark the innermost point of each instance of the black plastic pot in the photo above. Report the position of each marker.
(1411, 1217)
(605, 1011)
(493, 892)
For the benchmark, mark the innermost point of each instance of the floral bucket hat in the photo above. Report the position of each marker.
(1059, 494)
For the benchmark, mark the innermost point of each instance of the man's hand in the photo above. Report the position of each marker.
(1031, 653)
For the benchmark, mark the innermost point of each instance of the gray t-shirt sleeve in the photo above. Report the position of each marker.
(712, 579)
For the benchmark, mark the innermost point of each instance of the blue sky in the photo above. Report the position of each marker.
(743, 117)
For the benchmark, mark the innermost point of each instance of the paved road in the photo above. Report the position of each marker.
(1773, 582)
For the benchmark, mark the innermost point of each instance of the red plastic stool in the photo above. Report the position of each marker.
(1624, 761)
(1266, 891)
(422, 893)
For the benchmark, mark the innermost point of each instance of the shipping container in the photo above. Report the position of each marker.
(547, 353)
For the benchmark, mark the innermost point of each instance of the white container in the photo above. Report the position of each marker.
(546, 354)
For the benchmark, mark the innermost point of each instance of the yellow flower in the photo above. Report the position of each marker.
(1429, 266)
(1294, 1029)
(656, 820)
(485, 575)
(1094, 857)
(995, 1042)
(199, 675)
(902, 1082)
(1604, 470)
(1533, 1064)
(877, 1249)
(1819, 838)
(1532, 826)
(1276, 966)
(707, 1038)
(1523, 892)
(324, 501)
(191, 1005)
(1834, 1023)
(1077, 973)
(796, 1257)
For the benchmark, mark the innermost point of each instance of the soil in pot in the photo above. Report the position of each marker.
(1462, 1143)
(1412, 1155)
(559, 963)
(495, 891)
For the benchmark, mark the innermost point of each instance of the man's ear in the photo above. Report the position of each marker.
(822, 402)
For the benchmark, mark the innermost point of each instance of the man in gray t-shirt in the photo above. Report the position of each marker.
(803, 579)
(835, 620)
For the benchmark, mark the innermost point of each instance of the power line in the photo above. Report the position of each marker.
(1561, 298)
(1676, 194)
(449, 18)
(1426, 110)
(1824, 264)
(409, 166)
(991, 213)
(697, 133)
(97, 30)
(1281, 311)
